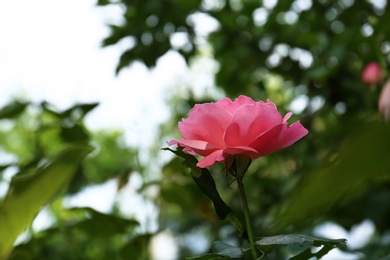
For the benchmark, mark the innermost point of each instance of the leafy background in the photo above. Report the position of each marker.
(305, 56)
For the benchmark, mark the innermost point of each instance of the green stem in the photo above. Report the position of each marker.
(247, 216)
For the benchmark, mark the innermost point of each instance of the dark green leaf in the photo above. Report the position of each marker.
(137, 248)
(13, 109)
(185, 201)
(79, 111)
(205, 182)
(318, 72)
(49, 108)
(74, 113)
(238, 225)
(205, 257)
(103, 2)
(307, 254)
(74, 134)
(223, 249)
(102, 225)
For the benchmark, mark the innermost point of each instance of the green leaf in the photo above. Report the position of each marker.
(137, 248)
(308, 254)
(12, 109)
(29, 193)
(318, 72)
(79, 111)
(185, 201)
(49, 108)
(269, 244)
(224, 249)
(103, 2)
(205, 257)
(74, 134)
(103, 225)
(221, 250)
(75, 112)
(205, 182)
(238, 225)
(81, 233)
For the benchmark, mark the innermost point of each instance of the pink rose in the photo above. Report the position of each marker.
(384, 101)
(219, 130)
(372, 74)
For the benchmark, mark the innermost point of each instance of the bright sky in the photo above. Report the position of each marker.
(50, 50)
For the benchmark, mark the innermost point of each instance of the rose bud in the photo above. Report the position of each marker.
(372, 74)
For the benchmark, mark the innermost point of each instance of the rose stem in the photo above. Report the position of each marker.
(247, 216)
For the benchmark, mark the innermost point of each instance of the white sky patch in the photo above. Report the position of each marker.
(358, 237)
(44, 220)
(299, 104)
(132, 204)
(50, 50)
(164, 246)
(99, 197)
(203, 23)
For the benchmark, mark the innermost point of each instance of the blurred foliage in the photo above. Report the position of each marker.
(268, 245)
(28, 194)
(306, 56)
(84, 234)
(42, 151)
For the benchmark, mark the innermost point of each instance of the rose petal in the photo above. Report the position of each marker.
(195, 146)
(268, 142)
(211, 159)
(291, 134)
(246, 150)
(287, 117)
(207, 123)
(249, 122)
(231, 106)
(271, 104)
